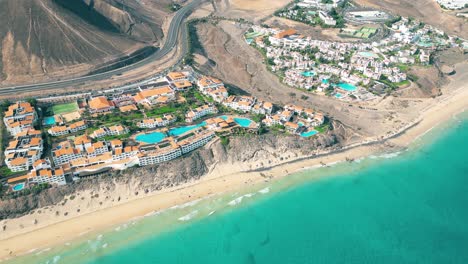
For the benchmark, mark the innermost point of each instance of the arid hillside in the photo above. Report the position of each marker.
(426, 10)
(43, 39)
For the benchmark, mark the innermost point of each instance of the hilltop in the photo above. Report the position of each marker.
(43, 39)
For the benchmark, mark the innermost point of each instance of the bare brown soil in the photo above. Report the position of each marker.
(426, 10)
(251, 10)
(44, 40)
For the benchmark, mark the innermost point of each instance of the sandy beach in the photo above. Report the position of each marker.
(221, 179)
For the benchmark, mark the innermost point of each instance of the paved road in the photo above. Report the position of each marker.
(169, 44)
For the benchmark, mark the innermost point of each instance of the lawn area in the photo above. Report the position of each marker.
(161, 110)
(6, 172)
(64, 108)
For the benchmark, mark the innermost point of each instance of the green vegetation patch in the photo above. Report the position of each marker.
(65, 108)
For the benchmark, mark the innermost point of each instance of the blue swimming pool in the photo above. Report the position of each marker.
(308, 74)
(49, 120)
(338, 95)
(182, 130)
(368, 54)
(151, 138)
(347, 87)
(309, 133)
(325, 81)
(19, 187)
(243, 122)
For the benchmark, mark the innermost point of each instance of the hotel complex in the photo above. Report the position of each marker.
(77, 147)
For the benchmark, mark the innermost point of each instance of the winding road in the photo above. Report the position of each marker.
(170, 43)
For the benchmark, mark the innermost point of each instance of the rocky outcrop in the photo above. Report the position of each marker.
(240, 150)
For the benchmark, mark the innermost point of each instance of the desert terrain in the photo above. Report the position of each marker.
(44, 40)
(427, 11)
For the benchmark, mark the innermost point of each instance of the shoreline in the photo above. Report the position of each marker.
(217, 181)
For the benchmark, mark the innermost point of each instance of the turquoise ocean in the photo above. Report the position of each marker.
(404, 207)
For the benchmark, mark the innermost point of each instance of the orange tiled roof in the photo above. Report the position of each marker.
(99, 103)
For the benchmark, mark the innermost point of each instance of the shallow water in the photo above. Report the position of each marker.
(406, 207)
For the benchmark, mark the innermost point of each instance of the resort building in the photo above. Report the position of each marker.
(199, 112)
(65, 130)
(120, 153)
(286, 33)
(177, 76)
(171, 148)
(194, 140)
(165, 151)
(181, 85)
(327, 19)
(166, 120)
(128, 108)
(44, 173)
(24, 150)
(218, 123)
(122, 100)
(219, 94)
(97, 149)
(100, 105)
(64, 153)
(82, 142)
(263, 108)
(207, 82)
(115, 130)
(160, 95)
(19, 116)
(286, 115)
(179, 81)
(272, 120)
(240, 103)
(291, 127)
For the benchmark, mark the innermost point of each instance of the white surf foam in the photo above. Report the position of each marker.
(56, 259)
(189, 216)
(264, 190)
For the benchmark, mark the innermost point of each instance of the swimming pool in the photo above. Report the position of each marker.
(182, 130)
(49, 120)
(18, 187)
(347, 87)
(368, 54)
(338, 95)
(243, 122)
(308, 73)
(309, 133)
(151, 138)
(325, 81)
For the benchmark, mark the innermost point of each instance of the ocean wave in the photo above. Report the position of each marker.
(105, 245)
(390, 155)
(212, 212)
(181, 206)
(56, 259)
(264, 190)
(239, 199)
(189, 216)
(236, 201)
(42, 251)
